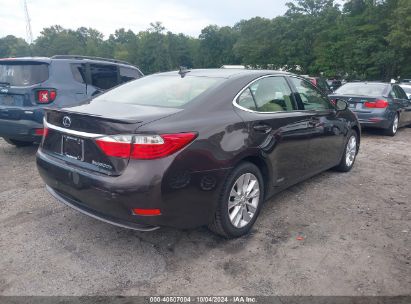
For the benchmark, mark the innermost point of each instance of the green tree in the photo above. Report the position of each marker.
(216, 46)
(153, 54)
(11, 46)
(399, 37)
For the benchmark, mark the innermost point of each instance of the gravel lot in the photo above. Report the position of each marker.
(356, 229)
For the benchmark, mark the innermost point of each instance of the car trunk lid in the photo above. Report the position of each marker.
(356, 103)
(72, 132)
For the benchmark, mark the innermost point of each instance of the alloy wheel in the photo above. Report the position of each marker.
(243, 200)
(395, 124)
(351, 150)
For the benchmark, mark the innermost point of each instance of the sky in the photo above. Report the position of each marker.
(178, 16)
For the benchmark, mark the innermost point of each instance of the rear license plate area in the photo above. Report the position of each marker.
(72, 147)
(11, 100)
(352, 105)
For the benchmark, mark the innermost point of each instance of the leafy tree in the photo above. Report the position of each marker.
(399, 36)
(216, 46)
(364, 39)
(11, 46)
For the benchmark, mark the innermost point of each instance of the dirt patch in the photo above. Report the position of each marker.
(335, 234)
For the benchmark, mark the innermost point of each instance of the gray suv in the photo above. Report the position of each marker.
(28, 85)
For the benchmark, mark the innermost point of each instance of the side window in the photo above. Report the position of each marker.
(127, 74)
(246, 100)
(79, 72)
(103, 76)
(272, 94)
(311, 98)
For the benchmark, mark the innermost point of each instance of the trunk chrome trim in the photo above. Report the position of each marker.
(72, 132)
(66, 202)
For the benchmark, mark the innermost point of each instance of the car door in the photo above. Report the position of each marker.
(327, 129)
(405, 105)
(276, 127)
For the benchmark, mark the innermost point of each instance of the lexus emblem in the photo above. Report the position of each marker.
(66, 121)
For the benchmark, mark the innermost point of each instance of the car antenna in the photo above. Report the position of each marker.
(183, 71)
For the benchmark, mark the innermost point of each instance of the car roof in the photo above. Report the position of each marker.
(26, 59)
(225, 73)
(72, 59)
(369, 82)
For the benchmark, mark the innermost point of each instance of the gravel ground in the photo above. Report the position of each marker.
(355, 228)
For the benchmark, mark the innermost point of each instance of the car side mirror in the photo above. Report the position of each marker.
(341, 105)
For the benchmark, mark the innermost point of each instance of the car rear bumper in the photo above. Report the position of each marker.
(23, 130)
(95, 214)
(374, 120)
(185, 201)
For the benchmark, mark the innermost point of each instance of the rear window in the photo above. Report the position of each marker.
(23, 74)
(363, 89)
(161, 91)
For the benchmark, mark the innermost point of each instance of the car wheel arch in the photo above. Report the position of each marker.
(264, 168)
(357, 130)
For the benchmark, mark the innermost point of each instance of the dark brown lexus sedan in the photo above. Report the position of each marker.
(193, 147)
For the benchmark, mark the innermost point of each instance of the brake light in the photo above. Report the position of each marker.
(155, 146)
(146, 212)
(46, 96)
(144, 146)
(378, 104)
(115, 146)
(41, 132)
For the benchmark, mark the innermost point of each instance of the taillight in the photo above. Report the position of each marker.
(41, 132)
(46, 96)
(378, 104)
(116, 146)
(146, 212)
(155, 146)
(144, 146)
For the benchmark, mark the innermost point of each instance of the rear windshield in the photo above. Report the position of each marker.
(363, 89)
(160, 90)
(23, 74)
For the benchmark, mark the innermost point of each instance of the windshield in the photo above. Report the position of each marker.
(160, 90)
(362, 88)
(23, 74)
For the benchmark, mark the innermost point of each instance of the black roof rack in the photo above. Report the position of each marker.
(89, 57)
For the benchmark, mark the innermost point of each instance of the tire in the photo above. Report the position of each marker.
(244, 208)
(350, 153)
(393, 128)
(18, 143)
